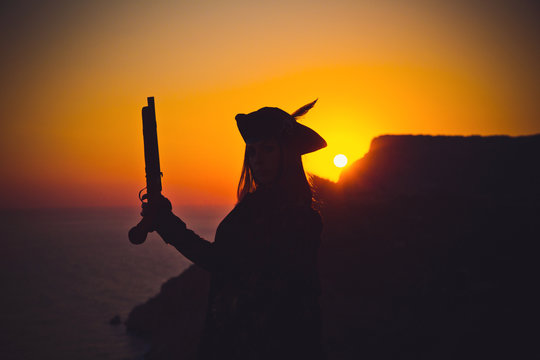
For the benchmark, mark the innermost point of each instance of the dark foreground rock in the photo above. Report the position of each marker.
(429, 252)
(173, 320)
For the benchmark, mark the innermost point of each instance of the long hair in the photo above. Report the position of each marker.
(246, 184)
(292, 181)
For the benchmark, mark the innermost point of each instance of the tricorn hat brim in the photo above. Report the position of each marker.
(270, 122)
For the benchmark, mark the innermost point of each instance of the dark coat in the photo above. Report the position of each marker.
(264, 290)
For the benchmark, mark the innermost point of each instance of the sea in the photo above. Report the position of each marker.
(66, 273)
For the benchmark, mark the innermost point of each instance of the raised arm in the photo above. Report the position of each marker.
(174, 232)
(224, 255)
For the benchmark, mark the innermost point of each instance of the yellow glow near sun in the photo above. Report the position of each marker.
(340, 160)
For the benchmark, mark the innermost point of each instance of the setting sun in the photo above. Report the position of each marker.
(340, 160)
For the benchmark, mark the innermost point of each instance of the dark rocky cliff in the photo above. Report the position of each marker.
(428, 252)
(474, 165)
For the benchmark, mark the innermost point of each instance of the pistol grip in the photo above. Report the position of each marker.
(137, 234)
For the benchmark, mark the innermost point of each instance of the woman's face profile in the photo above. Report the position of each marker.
(264, 160)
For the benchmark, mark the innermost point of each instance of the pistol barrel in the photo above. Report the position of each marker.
(151, 152)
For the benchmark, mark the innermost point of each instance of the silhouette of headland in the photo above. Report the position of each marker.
(427, 253)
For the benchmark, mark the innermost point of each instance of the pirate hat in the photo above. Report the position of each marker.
(271, 122)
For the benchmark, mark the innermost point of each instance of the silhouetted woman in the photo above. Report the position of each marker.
(264, 290)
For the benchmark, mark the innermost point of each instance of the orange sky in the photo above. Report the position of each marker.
(76, 74)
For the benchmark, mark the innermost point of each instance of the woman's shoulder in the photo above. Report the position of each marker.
(295, 213)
